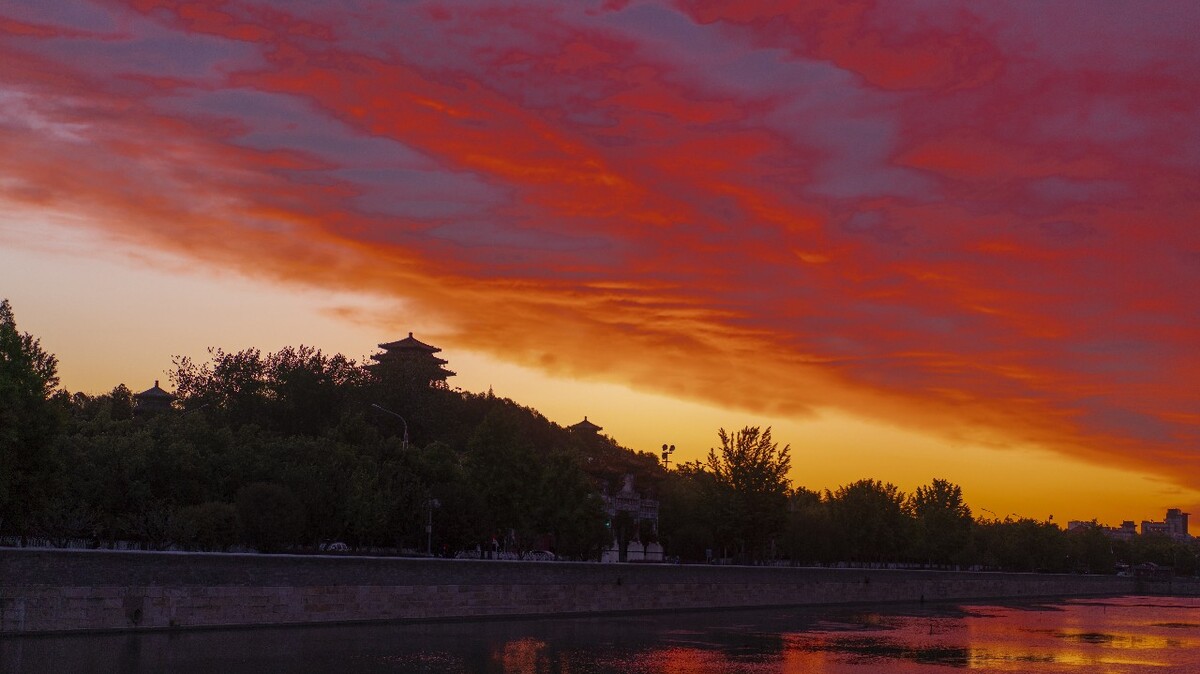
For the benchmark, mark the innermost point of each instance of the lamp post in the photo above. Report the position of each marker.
(667, 451)
(404, 440)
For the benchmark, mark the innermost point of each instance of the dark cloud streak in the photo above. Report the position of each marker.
(971, 222)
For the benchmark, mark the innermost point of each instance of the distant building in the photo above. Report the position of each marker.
(1125, 532)
(1177, 523)
(1174, 526)
(585, 426)
(1150, 528)
(413, 352)
(152, 401)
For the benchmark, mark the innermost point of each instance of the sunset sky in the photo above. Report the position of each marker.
(919, 239)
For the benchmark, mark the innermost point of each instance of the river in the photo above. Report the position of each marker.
(1096, 636)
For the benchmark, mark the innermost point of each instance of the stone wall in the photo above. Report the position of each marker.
(59, 590)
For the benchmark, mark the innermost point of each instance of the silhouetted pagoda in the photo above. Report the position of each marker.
(585, 426)
(152, 400)
(413, 354)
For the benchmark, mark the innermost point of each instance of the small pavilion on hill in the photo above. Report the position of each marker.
(152, 400)
(411, 350)
(585, 426)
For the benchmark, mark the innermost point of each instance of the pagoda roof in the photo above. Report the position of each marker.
(586, 425)
(409, 343)
(392, 357)
(153, 393)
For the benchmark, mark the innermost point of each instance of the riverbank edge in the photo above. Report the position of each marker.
(56, 592)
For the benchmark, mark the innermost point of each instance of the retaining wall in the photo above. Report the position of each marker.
(74, 590)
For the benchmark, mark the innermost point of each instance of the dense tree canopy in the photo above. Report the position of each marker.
(942, 527)
(750, 480)
(871, 520)
(293, 449)
(28, 422)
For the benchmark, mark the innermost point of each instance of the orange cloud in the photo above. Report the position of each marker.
(949, 220)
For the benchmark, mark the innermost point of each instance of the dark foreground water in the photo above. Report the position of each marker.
(1129, 634)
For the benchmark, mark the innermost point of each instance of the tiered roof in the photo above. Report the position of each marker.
(586, 426)
(409, 342)
(153, 399)
(154, 393)
(411, 348)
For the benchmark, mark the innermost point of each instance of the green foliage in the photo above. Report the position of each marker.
(1023, 545)
(1183, 557)
(750, 476)
(303, 423)
(28, 424)
(942, 531)
(809, 535)
(570, 514)
(271, 516)
(296, 391)
(209, 526)
(531, 491)
(687, 515)
(285, 450)
(871, 521)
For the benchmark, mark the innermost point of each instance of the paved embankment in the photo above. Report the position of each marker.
(71, 590)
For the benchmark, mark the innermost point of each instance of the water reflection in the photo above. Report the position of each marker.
(1124, 635)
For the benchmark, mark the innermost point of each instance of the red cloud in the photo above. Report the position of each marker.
(944, 219)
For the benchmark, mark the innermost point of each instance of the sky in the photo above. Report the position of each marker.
(917, 238)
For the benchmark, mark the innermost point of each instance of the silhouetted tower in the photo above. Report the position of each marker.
(151, 401)
(411, 353)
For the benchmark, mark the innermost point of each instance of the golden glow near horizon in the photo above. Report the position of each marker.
(966, 250)
(114, 313)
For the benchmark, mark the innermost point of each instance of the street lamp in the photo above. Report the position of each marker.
(404, 441)
(667, 451)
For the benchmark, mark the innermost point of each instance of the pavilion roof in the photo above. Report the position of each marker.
(409, 343)
(586, 425)
(154, 392)
(392, 356)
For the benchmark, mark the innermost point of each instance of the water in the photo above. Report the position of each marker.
(1097, 636)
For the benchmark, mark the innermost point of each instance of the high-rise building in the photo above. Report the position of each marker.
(1177, 523)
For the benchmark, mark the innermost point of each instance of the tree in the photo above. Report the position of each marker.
(233, 384)
(809, 535)
(28, 422)
(308, 390)
(687, 514)
(751, 474)
(1091, 549)
(871, 520)
(1023, 545)
(570, 514)
(208, 526)
(503, 470)
(943, 522)
(271, 516)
